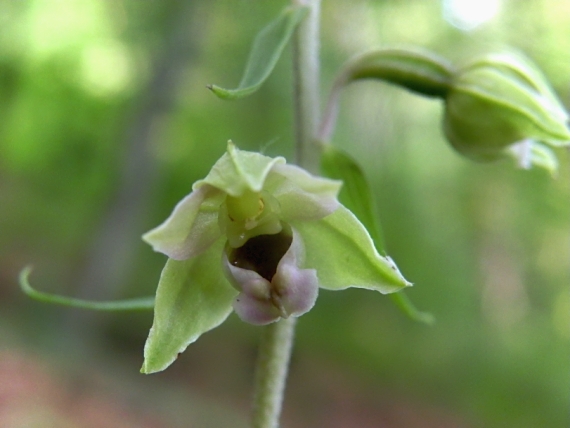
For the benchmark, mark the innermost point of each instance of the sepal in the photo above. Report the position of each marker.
(191, 228)
(238, 171)
(192, 298)
(342, 252)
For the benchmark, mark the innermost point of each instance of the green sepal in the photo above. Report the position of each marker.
(193, 297)
(523, 70)
(419, 71)
(341, 250)
(265, 52)
(138, 304)
(356, 195)
(238, 171)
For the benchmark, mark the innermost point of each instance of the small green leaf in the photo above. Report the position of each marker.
(193, 297)
(139, 304)
(355, 194)
(265, 52)
(342, 252)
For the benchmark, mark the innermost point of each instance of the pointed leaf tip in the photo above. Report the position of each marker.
(137, 304)
(403, 302)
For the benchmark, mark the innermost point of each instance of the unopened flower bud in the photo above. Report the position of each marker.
(497, 101)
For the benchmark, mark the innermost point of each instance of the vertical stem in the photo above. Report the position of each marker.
(306, 86)
(277, 339)
(272, 365)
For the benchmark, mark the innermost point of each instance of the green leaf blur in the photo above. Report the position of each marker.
(106, 123)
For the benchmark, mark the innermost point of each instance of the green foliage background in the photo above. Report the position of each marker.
(105, 123)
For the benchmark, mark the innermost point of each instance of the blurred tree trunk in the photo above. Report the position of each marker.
(110, 257)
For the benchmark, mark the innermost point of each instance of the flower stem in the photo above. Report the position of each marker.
(277, 339)
(306, 81)
(272, 365)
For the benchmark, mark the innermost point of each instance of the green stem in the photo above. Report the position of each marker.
(272, 365)
(306, 84)
(277, 339)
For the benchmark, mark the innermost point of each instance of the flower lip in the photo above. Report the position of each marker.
(262, 253)
(268, 275)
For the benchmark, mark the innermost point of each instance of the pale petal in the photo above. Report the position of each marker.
(297, 288)
(291, 292)
(193, 296)
(237, 171)
(246, 280)
(342, 252)
(255, 311)
(191, 228)
(302, 196)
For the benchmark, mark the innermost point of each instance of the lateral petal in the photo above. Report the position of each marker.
(191, 228)
(302, 196)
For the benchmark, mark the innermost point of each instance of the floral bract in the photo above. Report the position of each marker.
(259, 237)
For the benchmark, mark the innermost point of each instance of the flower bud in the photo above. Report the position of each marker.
(499, 100)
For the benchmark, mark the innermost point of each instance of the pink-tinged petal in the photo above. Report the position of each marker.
(255, 311)
(302, 196)
(191, 228)
(297, 288)
(291, 292)
(246, 280)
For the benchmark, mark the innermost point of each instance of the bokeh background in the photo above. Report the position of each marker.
(105, 123)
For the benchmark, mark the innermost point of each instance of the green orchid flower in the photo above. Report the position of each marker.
(259, 237)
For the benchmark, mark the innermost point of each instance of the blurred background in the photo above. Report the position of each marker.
(105, 123)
